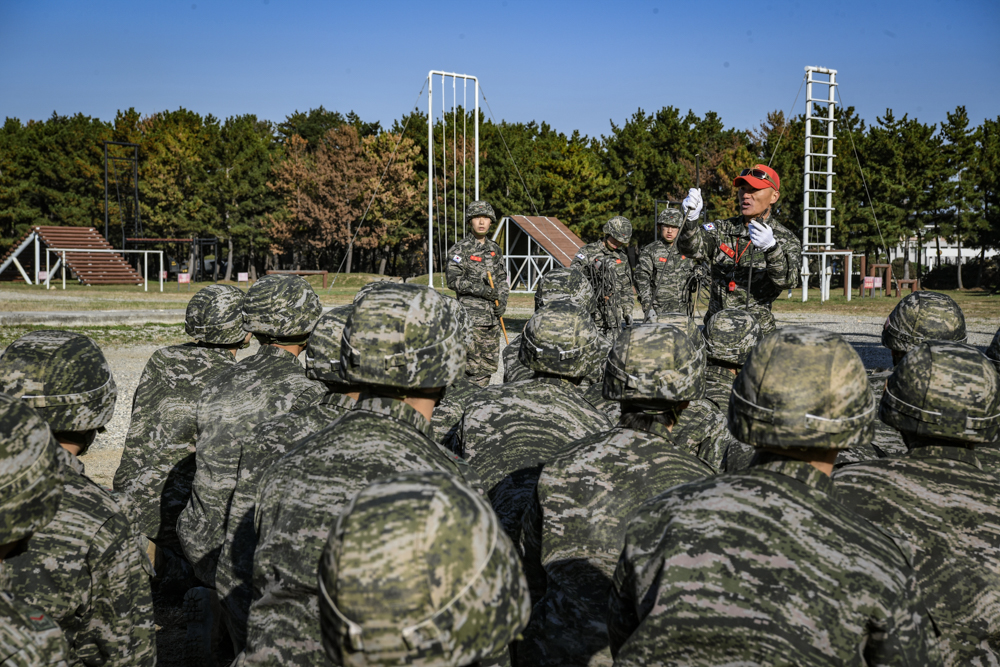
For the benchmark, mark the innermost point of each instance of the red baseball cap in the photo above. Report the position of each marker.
(760, 177)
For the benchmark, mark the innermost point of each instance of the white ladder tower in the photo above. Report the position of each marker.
(817, 190)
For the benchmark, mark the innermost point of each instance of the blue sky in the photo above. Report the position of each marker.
(575, 65)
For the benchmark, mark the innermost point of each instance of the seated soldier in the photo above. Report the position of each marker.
(31, 487)
(944, 399)
(416, 558)
(86, 567)
(767, 566)
(574, 528)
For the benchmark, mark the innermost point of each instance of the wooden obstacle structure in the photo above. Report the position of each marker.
(91, 268)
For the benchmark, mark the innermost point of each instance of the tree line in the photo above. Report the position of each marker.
(299, 193)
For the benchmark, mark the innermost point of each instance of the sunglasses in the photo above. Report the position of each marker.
(757, 173)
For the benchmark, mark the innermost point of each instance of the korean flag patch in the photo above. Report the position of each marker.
(580, 255)
(456, 259)
(709, 226)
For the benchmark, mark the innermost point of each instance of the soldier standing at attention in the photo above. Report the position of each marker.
(753, 257)
(606, 266)
(767, 566)
(944, 398)
(662, 276)
(471, 263)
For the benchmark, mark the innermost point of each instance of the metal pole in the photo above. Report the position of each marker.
(848, 275)
(829, 160)
(161, 269)
(145, 266)
(64, 270)
(105, 200)
(37, 258)
(477, 137)
(430, 180)
(46, 268)
(454, 151)
(807, 165)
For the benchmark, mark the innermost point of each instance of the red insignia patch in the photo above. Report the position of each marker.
(475, 258)
(618, 261)
(662, 259)
(492, 254)
(729, 251)
(37, 618)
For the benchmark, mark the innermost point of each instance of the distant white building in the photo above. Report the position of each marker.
(927, 253)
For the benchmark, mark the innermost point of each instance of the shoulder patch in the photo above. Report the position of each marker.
(492, 254)
(456, 259)
(662, 259)
(580, 255)
(709, 226)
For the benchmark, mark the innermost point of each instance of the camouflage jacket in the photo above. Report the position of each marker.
(573, 533)
(260, 449)
(298, 502)
(939, 499)
(260, 387)
(726, 245)
(718, 386)
(157, 465)
(86, 570)
(513, 369)
(702, 431)
(509, 430)
(598, 251)
(661, 278)
(448, 413)
(468, 262)
(763, 568)
(29, 638)
(989, 458)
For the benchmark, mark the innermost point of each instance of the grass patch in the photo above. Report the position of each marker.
(110, 336)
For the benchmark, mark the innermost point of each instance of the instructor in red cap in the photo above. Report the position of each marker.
(753, 257)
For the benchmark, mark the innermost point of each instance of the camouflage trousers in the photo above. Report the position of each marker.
(485, 354)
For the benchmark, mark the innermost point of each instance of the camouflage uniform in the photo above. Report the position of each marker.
(268, 442)
(945, 399)
(430, 541)
(993, 351)
(31, 487)
(510, 430)
(574, 528)
(722, 243)
(989, 453)
(399, 338)
(85, 567)
(610, 276)
(767, 566)
(157, 466)
(559, 284)
(469, 261)
(260, 387)
(662, 275)
(448, 413)
(918, 317)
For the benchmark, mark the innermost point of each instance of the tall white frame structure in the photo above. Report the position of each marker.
(430, 153)
(819, 166)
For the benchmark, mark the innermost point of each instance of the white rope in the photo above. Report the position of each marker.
(523, 185)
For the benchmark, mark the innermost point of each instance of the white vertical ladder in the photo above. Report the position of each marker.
(817, 190)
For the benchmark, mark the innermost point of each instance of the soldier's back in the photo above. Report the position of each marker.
(268, 383)
(941, 501)
(447, 417)
(510, 430)
(157, 465)
(265, 445)
(298, 503)
(573, 533)
(86, 570)
(29, 637)
(715, 572)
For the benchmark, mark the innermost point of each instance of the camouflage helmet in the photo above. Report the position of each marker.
(418, 571)
(281, 306)
(730, 334)
(368, 287)
(670, 217)
(565, 283)
(64, 376)
(686, 324)
(479, 209)
(802, 388)
(31, 479)
(323, 353)
(215, 315)
(619, 228)
(561, 339)
(403, 336)
(654, 365)
(993, 351)
(923, 316)
(943, 390)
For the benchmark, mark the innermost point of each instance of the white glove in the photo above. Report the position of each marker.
(761, 235)
(692, 204)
